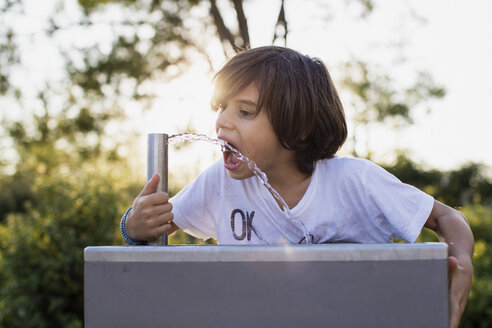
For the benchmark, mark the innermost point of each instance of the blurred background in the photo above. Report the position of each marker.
(83, 82)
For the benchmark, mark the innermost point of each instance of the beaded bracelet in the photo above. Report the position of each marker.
(127, 239)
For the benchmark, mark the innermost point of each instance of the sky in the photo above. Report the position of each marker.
(449, 39)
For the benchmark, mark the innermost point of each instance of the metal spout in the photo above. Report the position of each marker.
(157, 163)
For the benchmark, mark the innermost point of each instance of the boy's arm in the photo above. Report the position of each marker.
(452, 227)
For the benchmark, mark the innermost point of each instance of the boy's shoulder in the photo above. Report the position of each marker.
(346, 164)
(345, 169)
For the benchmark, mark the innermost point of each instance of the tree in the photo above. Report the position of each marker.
(375, 100)
(41, 250)
(466, 185)
(8, 50)
(53, 145)
(469, 189)
(478, 311)
(164, 50)
(151, 42)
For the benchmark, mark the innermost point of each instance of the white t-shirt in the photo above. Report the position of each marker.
(348, 200)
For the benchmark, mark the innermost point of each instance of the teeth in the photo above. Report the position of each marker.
(226, 147)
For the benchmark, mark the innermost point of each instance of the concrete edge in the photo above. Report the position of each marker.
(290, 253)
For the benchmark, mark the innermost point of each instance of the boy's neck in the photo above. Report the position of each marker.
(291, 186)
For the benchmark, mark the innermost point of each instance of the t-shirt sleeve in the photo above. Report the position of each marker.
(193, 207)
(398, 208)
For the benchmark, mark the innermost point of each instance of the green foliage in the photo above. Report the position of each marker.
(90, 5)
(8, 49)
(53, 146)
(69, 188)
(181, 238)
(478, 311)
(469, 189)
(41, 254)
(151, 40)
(375, 99)
(466, 185)
(15, 191)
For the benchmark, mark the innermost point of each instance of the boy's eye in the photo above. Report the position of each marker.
(245, 112)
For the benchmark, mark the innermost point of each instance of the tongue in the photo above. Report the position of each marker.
(230, 161)
(233, 159)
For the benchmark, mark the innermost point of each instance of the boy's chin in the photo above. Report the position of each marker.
(240, 176)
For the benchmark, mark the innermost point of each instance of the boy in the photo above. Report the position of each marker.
(281, 110)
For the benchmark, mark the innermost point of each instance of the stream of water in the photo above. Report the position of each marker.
(190, 137)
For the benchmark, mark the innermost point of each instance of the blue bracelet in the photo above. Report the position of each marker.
(127, 239)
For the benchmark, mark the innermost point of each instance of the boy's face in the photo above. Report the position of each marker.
(252, 135)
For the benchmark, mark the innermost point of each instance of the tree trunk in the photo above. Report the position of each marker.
(241, 40)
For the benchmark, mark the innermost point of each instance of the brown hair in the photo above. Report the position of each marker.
(298, 94)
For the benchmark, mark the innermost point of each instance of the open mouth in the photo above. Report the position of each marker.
(231, 162)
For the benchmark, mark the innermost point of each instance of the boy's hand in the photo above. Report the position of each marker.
(150, 216)
(460, 282)
(452, 227)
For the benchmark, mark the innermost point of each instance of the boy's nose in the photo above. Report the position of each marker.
(223, 121)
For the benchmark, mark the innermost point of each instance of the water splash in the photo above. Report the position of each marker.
(190, 137)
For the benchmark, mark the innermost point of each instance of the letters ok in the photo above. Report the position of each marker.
(246, 224)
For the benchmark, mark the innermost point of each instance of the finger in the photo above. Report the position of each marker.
(161, 220)
(164, 208)
(159, 198)
(454, 321)
(153, 200)
(151, 185)
(165, 228)
(454, 313)
(455, 307)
